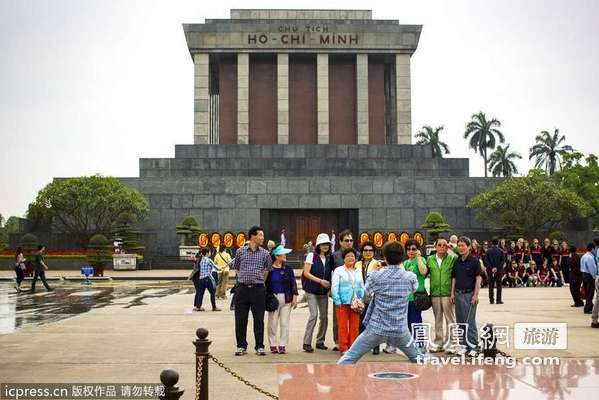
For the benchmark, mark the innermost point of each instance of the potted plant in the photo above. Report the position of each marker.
(129, 239)
(189, 230)
(98, 253)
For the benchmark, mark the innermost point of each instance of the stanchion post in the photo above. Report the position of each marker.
(202, 345)
(169, 378)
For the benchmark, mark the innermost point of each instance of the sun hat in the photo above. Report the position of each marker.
(323, 238)
(280, 250)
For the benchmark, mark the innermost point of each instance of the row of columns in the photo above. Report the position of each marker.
(202, 96)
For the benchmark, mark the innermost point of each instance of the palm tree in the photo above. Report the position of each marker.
(501, 161)
(483, 134)
(548, 151)
(428, 135)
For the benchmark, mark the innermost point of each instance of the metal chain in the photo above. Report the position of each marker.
(244, 381)
(199, 369)
(503, 353)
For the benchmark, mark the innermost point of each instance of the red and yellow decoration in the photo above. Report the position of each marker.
(364, 237)
(241, 239)
(215, 239)
(403, 238)
(203, 240)
(229, 239)
(391, 237)
(379, 239)
(419, 237)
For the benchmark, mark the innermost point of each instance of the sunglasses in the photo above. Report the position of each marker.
(413, 248)
(348, 240)
(365, 250)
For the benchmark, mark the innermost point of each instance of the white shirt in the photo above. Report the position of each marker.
(283, 239)
(310, 258)
(439, 260)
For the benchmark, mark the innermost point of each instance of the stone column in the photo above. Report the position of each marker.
(362, 97)
(322, 95)
(404, 102)
(201, 99)
(282, 98)
(243, 79)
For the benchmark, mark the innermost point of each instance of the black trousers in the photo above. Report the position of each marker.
(201, 285)
(250, 299)
(589, 291)
(20, 275)
(495, 281)
(565, 267)
(575, 284)
(39, 275)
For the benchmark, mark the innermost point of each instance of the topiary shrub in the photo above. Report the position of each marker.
(29, 241)
(99, 251)
(189, 230)
(434, 224)
(557, 235)
(98, 241)
(128, 237)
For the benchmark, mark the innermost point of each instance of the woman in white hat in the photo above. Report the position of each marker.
(280, 281)
(316, 282)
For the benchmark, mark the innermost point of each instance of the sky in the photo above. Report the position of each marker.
(89, 87)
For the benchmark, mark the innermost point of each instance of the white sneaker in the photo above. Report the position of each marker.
(390, 350)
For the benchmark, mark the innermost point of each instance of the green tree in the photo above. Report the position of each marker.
(548, 151)
(11, 226)
(85, 206)
(501, 161)
(434, 224)
(189, 230)
(428, 135)
(583, 179)
(483, 134)
(529, 205)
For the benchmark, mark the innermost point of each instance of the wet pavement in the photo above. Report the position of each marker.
(571, 379)
(69, 299)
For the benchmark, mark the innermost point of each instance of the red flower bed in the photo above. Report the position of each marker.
(71, 252)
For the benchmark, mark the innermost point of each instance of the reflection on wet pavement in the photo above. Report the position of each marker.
(18, 310)
(571, 379)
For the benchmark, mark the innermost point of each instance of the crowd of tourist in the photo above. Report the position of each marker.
(378, 298)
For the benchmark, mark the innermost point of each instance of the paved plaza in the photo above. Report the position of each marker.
(128, 331)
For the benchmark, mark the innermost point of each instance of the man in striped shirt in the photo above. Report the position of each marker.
(386, 319)
(252, 264)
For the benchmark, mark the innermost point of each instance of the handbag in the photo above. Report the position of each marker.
(357, 305)
(272, 303)
(422, 301)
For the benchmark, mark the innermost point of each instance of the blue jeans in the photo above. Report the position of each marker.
(368, 340)
(201, 285)
(465, 313)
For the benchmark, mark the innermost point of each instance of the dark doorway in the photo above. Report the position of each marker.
(302, 226)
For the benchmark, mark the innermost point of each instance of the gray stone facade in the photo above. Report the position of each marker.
(285, 32)
(225, 187)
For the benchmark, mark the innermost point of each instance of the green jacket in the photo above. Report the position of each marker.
(441, 276)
